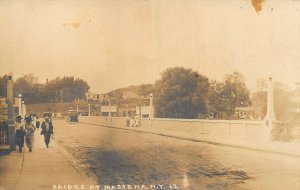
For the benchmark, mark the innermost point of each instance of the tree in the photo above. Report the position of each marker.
(235, 91)
(66, 89)
(145, 89)
(225, 96)
(180, 93)
(216, 99)
(25, 85)
(3, 86)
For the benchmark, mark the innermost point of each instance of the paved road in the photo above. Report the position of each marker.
(116, 156)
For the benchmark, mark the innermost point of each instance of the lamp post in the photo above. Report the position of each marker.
(20, 104)
(151, 114)
(151, 106)
(109, 113)
(23, 109)
(89, 109)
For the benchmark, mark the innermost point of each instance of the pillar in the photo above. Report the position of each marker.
(20, 104)
(10, 113)
(270, 116)
(151, 115)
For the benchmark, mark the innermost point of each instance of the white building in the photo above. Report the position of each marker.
(105, 110)
(94, 97)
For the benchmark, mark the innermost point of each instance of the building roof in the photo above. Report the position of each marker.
(243, 108)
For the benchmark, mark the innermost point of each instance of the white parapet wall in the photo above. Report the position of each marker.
(238, 133)
(191, 128)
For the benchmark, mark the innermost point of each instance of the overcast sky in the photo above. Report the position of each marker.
(118, 43)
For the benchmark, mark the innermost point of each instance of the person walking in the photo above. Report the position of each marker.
(29, 133)
(47, 130)
(127, 121)
(37, 122)
(20, 133)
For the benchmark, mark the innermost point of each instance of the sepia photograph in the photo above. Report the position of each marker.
(150, 95)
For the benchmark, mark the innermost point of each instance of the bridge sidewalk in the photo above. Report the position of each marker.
(40, 169)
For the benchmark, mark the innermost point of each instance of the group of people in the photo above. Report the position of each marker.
(24, 130)
(132, 121)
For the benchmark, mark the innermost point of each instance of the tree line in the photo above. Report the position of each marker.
(184, 93)
(60, 89)
(179, 93)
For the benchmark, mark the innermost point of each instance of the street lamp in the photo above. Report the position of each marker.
(151, 114)
(23, 109)
(151, 106)
(20, 104)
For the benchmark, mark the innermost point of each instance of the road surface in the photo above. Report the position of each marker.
(123, 157)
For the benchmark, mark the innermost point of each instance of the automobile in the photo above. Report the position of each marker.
(72, 116)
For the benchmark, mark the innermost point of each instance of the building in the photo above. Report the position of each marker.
(143, 111)
(94, 97)
(244, 112)
(105, 110)
(3, 108)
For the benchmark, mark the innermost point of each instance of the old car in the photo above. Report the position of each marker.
(72, 116)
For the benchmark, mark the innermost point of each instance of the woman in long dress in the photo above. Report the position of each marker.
(20, 133)
(47, 130)
(29, 133)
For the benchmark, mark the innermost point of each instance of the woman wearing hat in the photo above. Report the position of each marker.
(29, 129)
(20, 133)
(47, 130)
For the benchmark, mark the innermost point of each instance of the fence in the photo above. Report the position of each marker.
(4, 134)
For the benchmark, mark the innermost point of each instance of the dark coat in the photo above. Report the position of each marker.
(44, 130)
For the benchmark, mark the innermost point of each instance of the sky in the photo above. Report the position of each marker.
(118, 43)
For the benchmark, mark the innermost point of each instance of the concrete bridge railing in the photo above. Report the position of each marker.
(239, 133)
(212, 129)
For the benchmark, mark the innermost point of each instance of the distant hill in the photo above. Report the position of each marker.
(132, 92)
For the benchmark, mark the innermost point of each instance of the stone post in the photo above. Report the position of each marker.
(10, 113)
(270, 116)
